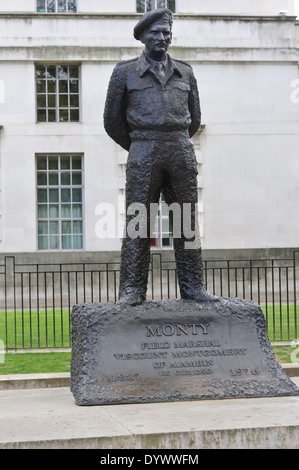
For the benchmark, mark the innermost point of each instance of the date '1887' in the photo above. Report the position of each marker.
(126, 377)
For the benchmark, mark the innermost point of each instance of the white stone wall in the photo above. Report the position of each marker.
(236, 7)
(250, 148)
(22, 139)
(107, 6)
(218, 7)
(17, 5)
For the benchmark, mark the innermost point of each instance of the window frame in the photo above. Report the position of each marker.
(159, 235)
(56, 8)
(57, 107)
(146, 10)
(59, 219)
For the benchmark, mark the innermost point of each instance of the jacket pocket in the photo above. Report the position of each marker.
(135, 84)
(177, 98)
(142, 99)
(183, 86)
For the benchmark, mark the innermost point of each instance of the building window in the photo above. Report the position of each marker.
(57, 93)
(60, 202)
(162, 235)
(56, 6)
(146, 5)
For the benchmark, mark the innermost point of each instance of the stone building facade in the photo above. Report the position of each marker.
(62, 178)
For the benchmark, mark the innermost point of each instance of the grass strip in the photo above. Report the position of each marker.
(31, 329)
(52, 328)
(36, 363)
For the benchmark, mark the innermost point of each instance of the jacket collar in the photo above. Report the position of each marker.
(143, 65)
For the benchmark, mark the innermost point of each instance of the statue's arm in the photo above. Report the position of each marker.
(194, 106)
(115, 121)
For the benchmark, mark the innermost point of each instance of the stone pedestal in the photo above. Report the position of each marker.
(173, 350)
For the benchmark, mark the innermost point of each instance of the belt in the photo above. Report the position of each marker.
(160, 135)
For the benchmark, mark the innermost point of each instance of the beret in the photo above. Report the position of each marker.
(150, 17)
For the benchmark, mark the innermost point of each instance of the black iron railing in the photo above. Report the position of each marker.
(36, 300)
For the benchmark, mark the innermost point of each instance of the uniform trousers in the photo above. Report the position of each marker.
(161, 162)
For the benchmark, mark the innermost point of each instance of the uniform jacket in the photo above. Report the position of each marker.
(138, 100)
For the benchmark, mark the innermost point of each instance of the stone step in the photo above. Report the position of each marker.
(48, 418)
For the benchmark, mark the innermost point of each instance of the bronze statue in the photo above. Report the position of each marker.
(152, 110)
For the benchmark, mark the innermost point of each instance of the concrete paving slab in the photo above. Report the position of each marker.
(48, 418)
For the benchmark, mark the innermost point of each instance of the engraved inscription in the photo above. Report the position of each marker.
(140, 356)
(177, 356)
(196, 344)
(164, 345)
(177, 329)
(211, 353)
(126, 377)
(243, 372)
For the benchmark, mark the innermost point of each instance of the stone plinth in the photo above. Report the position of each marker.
(173, 351)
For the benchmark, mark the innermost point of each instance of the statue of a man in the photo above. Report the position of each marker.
(152, 110)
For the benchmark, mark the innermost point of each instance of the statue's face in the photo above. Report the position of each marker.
(157, 37)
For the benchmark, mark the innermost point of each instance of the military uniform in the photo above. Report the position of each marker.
(153, 114)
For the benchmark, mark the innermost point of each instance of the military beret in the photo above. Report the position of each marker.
(150, 17)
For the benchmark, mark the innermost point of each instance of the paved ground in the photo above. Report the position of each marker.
(48, 418)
